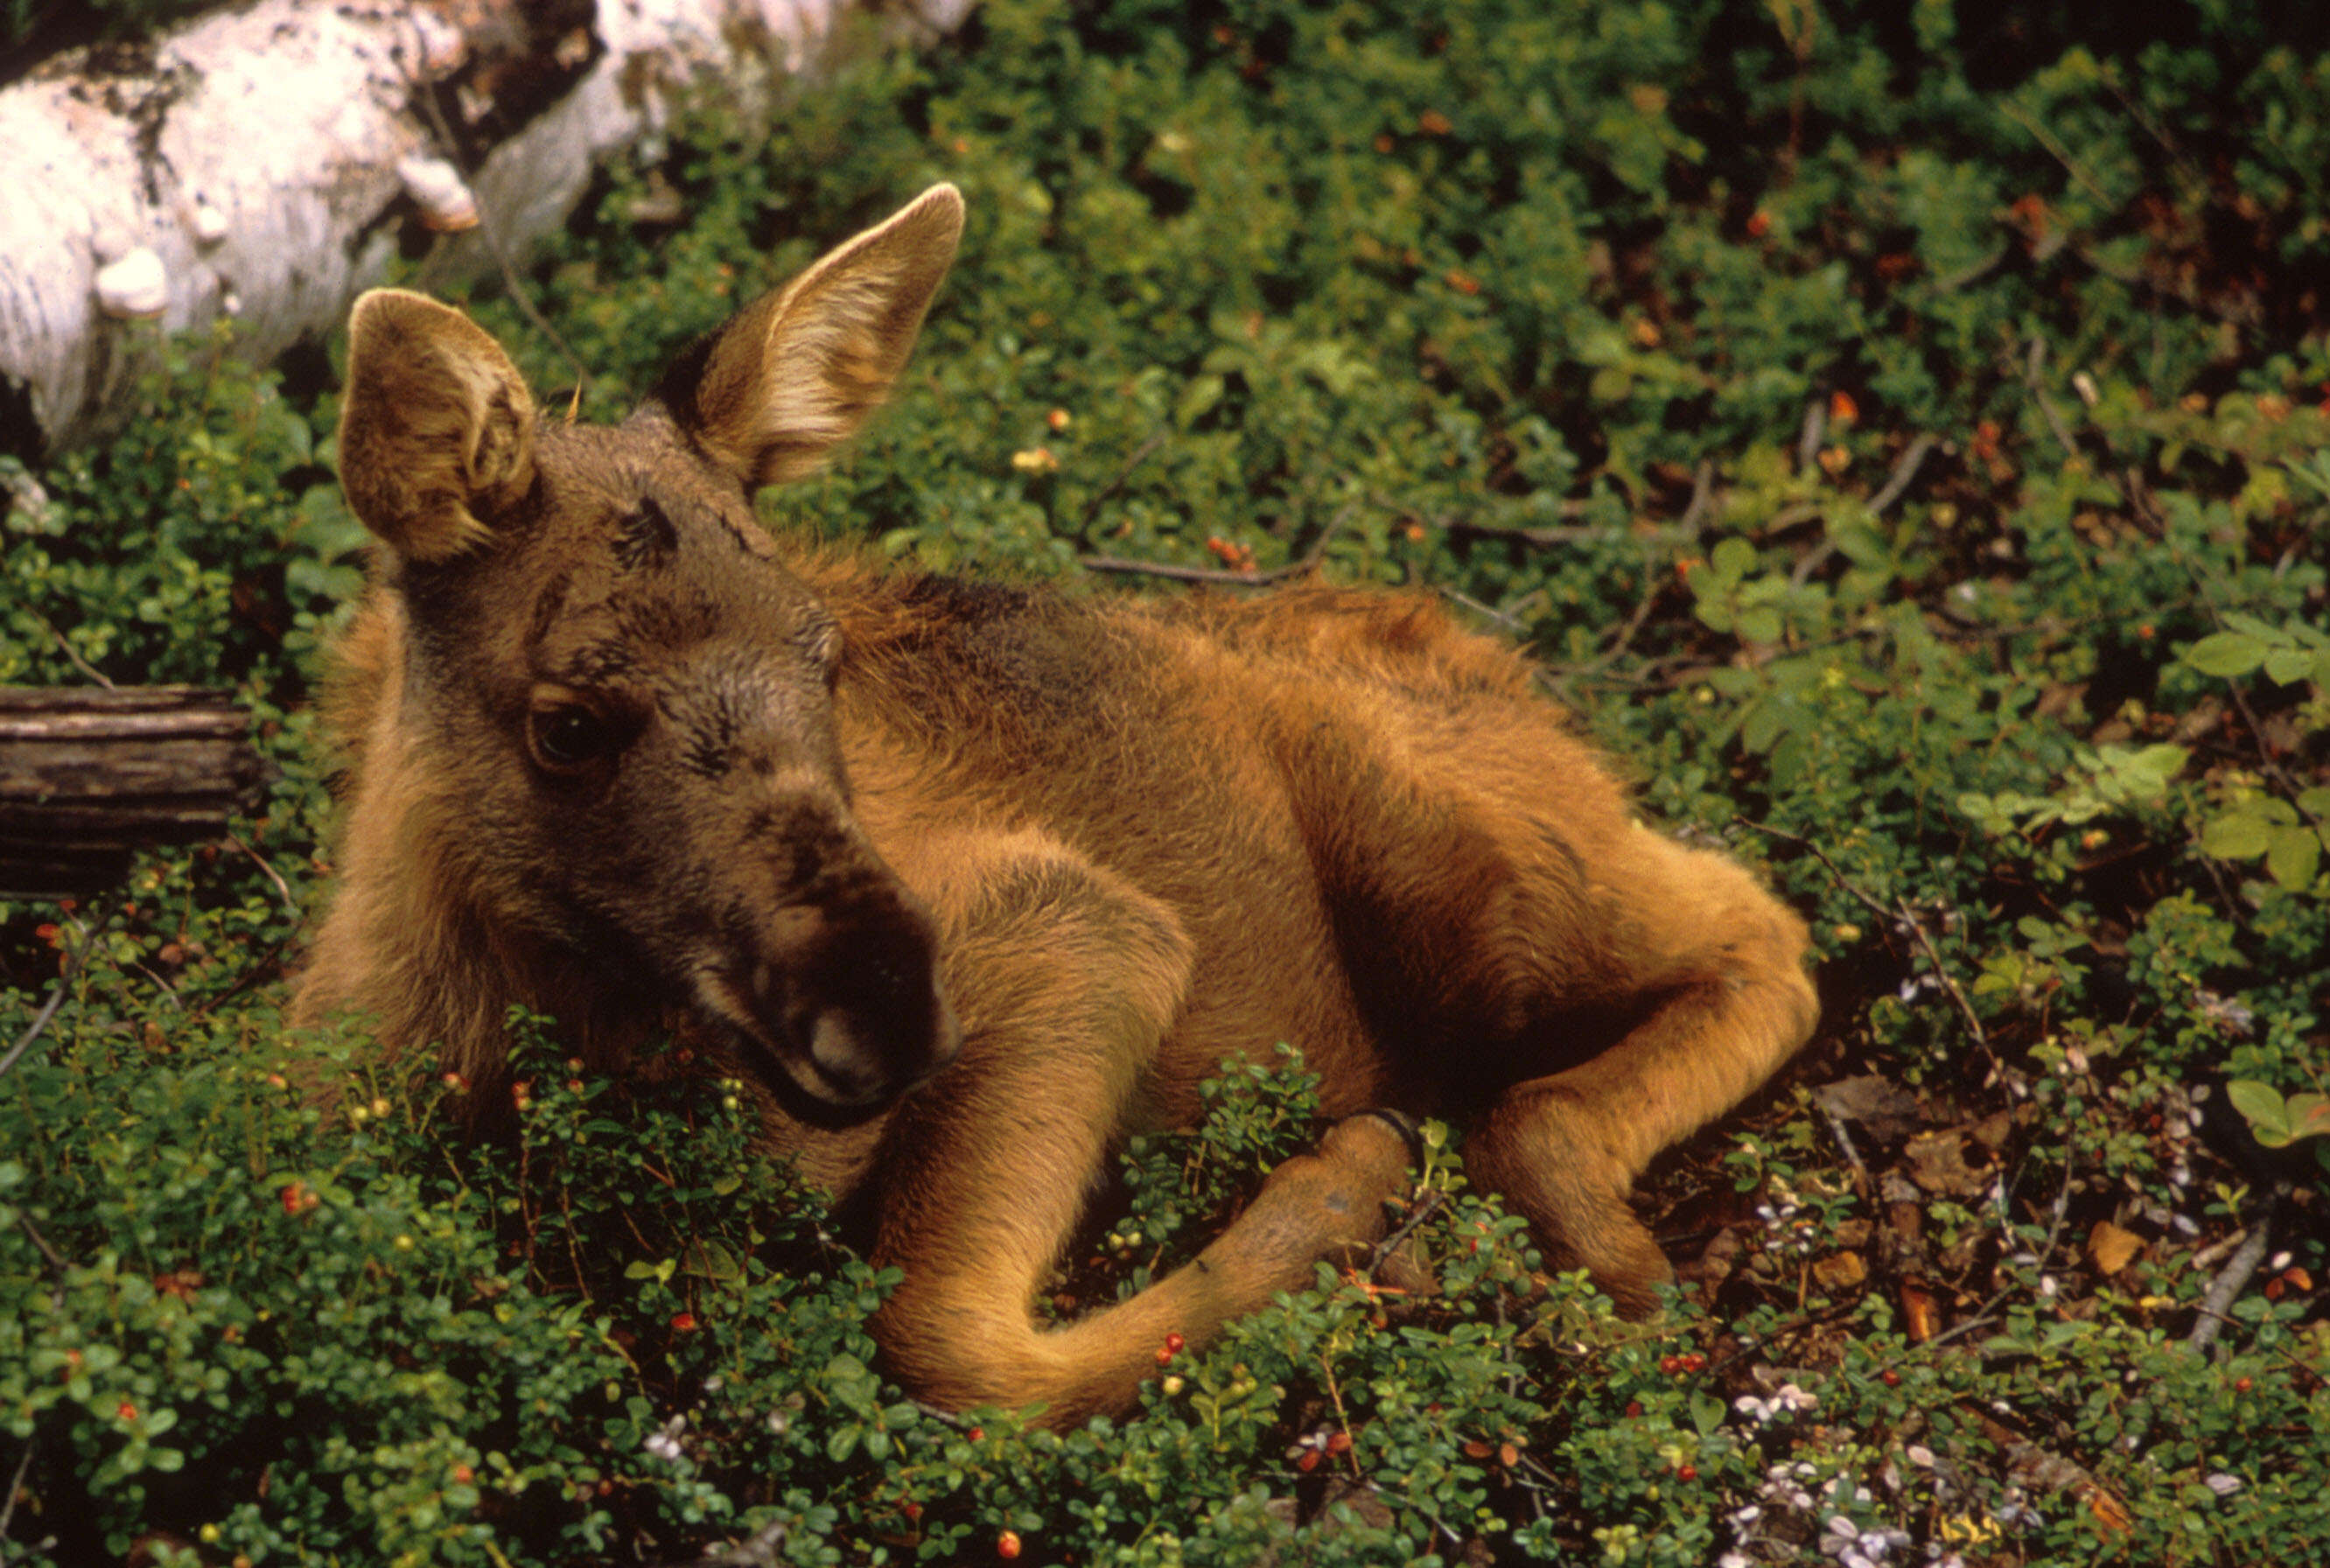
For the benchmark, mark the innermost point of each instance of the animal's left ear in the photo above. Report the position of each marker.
(801, 369)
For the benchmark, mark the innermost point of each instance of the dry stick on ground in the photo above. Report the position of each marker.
(1458, 596)
(1897, 483)
(65, 648)
(1815, 430)
(1432, 1204)
(56, 998)
(2229, 1284)
(1900, 910)
(1141, 454)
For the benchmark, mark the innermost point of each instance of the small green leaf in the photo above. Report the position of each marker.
(1733, 559)
(2292, 856)
(2308, 1116)
(2235, 836)
(2226, 653)
(2261, 1104)
(2288, 666)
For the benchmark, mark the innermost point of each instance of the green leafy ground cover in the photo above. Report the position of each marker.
(1903, 439)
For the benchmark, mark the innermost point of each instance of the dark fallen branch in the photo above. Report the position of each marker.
(89, 776)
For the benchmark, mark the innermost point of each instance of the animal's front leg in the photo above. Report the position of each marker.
(1066, 981)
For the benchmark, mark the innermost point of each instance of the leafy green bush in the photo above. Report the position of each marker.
(1906, 440)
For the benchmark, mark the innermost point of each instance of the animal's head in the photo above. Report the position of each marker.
(621, 698)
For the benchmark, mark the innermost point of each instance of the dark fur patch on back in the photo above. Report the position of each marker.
(965, 602)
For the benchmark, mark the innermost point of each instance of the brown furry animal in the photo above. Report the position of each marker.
(972, 882)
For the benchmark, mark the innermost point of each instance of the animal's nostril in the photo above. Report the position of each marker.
(835, 1048)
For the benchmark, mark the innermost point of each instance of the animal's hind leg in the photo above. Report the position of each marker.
(1714, 965)
(1066, 980)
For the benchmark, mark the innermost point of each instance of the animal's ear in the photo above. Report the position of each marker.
(767, 395)
(436, 426)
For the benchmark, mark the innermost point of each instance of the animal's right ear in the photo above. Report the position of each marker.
(771, 393)
(436, 426)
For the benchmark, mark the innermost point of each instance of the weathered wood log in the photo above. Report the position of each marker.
(266, 161)
(90, 775)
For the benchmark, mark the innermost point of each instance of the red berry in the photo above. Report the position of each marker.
(1889, 1378)
(975, 1433)
(2241, 1385)
(1669, 1364)
(912, 1509)
(1007, 1545)
(1339, 1443)
(126, 1412)
(1686, 1472)
(1307, 1461)
(683, 1322)
(1174, 1342)
(464, 1475)
(1634, 1407)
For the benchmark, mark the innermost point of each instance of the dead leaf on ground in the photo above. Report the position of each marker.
(1937, 1162)
(1921, 1315)
(1840, 1271)
(1879, 1107)
(2111, 1249)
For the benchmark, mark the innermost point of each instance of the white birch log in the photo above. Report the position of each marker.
(264, 163)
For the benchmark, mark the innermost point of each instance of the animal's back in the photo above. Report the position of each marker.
(1354, 807)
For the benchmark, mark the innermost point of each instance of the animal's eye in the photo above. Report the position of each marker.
(569, 735)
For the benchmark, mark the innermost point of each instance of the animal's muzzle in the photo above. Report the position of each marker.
(844, 1004)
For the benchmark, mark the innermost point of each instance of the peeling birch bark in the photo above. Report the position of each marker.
(265, 163)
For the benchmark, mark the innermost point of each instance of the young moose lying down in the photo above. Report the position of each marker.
(970, 883)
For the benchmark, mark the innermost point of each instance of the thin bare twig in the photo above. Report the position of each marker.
(1702, 496)
(1904, 472)
(290, 905)
(16, 1485)
(1982, 1315)
(1119, 567)
(2034, 374)
(65, 648)
(1973, 272)
(1432, 1203)
(56, 1302)
(1458, 596)
(1900, 911)
(1815, 430)
(48, 1009)
(1142, 454)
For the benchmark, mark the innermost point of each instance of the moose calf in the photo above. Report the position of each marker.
(970, 883)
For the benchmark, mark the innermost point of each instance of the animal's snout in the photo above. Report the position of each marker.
(869, 1008)
(844, 1000)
